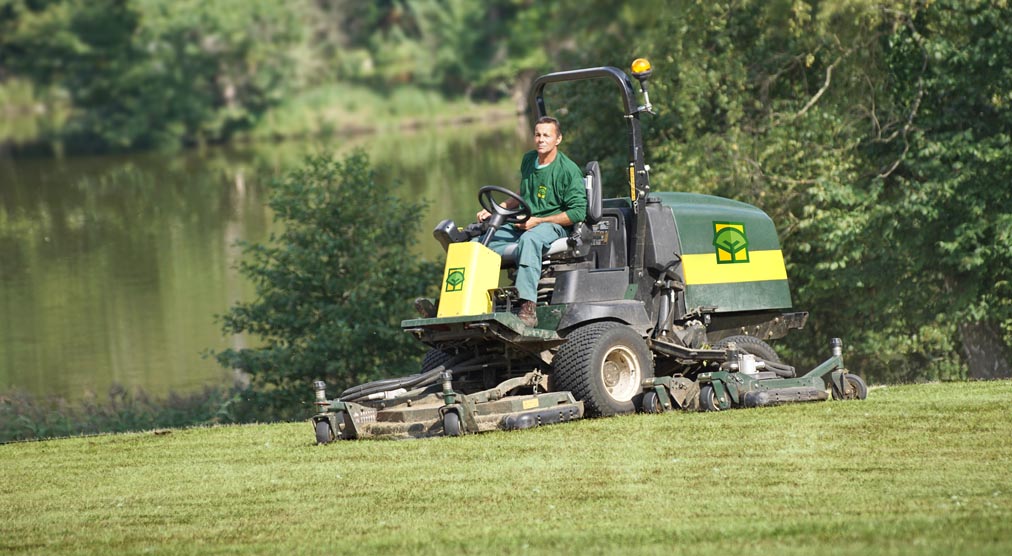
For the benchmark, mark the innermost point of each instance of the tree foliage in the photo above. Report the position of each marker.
(147, 73)
(331, 288)
(875, 134)
(947, 176)
(143, 73)
(459, 47)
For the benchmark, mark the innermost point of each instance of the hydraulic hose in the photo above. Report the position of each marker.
(385, 382)
(782, 370)
(407, 382)
(391, 383)
(362, 390)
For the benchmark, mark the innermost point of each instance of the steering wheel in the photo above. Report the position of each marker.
(500, 214)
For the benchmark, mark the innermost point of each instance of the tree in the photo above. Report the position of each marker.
(331, 288)
(147, 73)
(944, 186)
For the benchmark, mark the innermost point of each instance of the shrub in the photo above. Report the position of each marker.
(331, 287)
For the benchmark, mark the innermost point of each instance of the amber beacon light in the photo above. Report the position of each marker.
(641, 68)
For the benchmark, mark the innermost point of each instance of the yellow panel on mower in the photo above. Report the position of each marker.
(471, 270)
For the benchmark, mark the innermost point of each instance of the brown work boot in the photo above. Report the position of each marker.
(426, 309)
(529, 313)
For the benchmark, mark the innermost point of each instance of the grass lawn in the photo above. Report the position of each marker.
(919, 469)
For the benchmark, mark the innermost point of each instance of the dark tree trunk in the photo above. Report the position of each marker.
(985, 352)
(520, 89)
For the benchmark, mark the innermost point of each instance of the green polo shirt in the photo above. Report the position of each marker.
(555, 188)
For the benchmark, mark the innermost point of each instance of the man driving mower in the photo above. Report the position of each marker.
(552, 186)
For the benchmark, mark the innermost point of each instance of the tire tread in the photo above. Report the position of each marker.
(573, 360)
(759, 348)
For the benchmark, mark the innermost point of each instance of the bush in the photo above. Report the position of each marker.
(331, 288)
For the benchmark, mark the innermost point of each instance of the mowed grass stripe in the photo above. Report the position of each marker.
(923, 469)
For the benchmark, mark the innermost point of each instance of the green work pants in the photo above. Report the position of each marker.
(531, 247)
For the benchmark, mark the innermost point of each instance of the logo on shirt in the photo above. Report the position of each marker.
(542, 191)
(731, 243)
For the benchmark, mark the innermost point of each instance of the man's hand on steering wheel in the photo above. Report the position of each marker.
(529, 223)
(516, 214)
(525, 225)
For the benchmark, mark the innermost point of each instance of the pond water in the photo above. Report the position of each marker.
(113, 268)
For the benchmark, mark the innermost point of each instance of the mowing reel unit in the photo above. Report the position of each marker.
(433, 408)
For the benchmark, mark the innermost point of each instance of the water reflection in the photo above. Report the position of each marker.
(111, 268)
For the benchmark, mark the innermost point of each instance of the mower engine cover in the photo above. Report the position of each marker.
(731, 257)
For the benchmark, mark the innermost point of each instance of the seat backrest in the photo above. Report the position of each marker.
(592, 181)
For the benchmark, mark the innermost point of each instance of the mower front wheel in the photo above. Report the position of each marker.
(604, 364)
(652, 402)
(708, 399)
(451, 424)
(323, 433)
(856, 388)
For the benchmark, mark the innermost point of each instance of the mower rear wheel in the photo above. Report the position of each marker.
(604, 365)
(323, 434)
(451, 424)
(708, 399)
(856, 389)
(751, 345)
(652, 402)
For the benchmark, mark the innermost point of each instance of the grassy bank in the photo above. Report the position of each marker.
(346, 109)
(27, 417)
(919, 469)
(336, 109)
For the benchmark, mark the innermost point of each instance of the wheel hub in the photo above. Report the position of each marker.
(621, 373)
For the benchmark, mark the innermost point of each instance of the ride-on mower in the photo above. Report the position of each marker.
(656, 301)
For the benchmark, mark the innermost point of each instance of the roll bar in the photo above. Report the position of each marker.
(639, 180)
